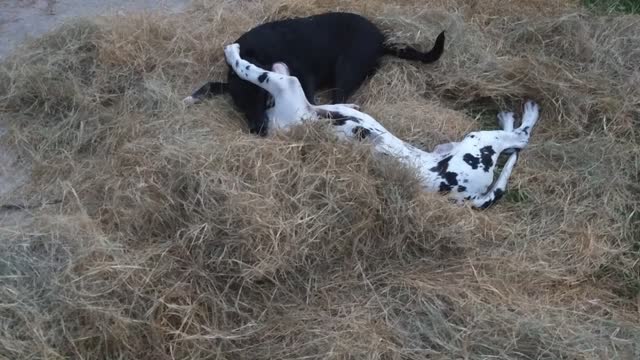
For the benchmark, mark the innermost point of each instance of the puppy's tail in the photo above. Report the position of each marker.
(499, 187)
(410, 53)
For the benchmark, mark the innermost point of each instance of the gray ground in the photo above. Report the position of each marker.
(24, 19)
(20, 19)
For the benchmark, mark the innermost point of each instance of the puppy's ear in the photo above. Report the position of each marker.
(281, 68)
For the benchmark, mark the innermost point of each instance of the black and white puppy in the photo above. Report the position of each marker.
(464, 169)
(334, 50)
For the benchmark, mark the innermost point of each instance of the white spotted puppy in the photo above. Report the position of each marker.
(463, 169)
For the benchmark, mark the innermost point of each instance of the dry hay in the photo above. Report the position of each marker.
(181, 236)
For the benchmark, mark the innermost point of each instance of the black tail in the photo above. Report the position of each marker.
(410, 53)
(210, 89)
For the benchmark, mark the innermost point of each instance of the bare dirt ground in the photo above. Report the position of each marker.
(20, 19)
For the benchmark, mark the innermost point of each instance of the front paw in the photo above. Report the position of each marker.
(190, 100)
(232, 52)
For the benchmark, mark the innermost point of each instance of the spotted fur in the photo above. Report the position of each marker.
(470, 162)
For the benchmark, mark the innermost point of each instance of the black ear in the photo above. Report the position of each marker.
(210, 89)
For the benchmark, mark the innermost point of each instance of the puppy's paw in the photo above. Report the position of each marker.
(190, 100)
(531, 113)
(531, 107)
(506, 120)
(232, 51)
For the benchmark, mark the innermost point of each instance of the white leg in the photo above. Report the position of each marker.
(268, 80)
(517, 138)
(523, 132)
(499, 187)
(508, 139)
(529, 118)
(506, 120)
(336, 107)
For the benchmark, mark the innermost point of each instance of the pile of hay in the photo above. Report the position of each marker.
(180, 235)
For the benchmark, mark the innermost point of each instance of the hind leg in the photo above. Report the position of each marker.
(337, 107)
(529, 117)
(307, 80)
(499, 187)
(351, 70)
(506, 121)
(509, 139)
(308, 84)
(348, 78)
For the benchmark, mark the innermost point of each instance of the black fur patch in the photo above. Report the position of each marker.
(485, 155)
(237, 63)
(497, 195)
(473, 161)
(450, 178)
(263, 77)
(442, 165)
(271, 102)
(338, 119)
(444, 187)
(462, 188)
(247, 68)
(361, 133)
